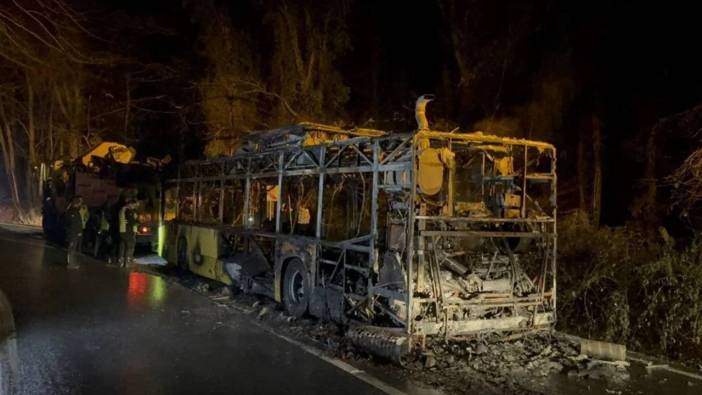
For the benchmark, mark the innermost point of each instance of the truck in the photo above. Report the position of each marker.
(399, 235)
(105, 177)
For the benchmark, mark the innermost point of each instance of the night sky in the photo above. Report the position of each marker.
(631, 55)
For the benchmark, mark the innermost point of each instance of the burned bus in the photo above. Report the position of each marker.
(406, 234)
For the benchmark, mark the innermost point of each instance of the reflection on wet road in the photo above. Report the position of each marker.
(104, 330)
(144, 288)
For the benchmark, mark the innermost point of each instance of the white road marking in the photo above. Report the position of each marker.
(360, 374)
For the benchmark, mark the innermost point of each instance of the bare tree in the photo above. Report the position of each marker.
(483, 52)
(309, 38)
(231, 87)
(597, 170)
(686, 180)
(41, 46)
(299, 80)
(7, 144)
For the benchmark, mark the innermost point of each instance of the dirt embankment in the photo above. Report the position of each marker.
(9, 215)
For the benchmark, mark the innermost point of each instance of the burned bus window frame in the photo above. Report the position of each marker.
(261, 213)
(186, 202)
(233, 202)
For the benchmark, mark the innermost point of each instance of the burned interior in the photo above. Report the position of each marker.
(416, 234)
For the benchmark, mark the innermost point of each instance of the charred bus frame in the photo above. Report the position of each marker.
(422, 266)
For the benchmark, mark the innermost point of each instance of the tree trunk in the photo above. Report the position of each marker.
(50, 134)
(597, 174)
(69, 103)
(448, 11)
(580, 164)
(7, 145)
(648, 209)
(128, 106)
(31, 146)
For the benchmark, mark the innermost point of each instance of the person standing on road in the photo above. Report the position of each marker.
(132, 226)
(127, 233)
(48, 213)
(74, 231)
(102, 238)
(113, 213)
(84, 216)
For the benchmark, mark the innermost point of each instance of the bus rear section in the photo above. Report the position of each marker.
(482, 254)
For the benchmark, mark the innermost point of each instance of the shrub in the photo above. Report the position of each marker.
(622, 285)
(669, 302)
(593, 278)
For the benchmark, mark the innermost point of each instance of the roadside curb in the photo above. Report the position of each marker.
(648, 361)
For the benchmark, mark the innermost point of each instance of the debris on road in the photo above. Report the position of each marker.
(263, 312)
(517, 363)
(150, 260)
(598, 369)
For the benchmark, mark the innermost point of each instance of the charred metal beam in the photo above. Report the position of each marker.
(485, 220)
(477, 233)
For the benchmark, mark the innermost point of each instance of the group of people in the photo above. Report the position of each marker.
(115, 239)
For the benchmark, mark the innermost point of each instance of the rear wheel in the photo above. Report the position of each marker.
(296, 289)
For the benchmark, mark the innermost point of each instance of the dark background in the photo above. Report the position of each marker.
(542, 69)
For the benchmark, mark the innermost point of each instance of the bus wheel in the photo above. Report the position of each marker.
(296, 289)
(182, 258)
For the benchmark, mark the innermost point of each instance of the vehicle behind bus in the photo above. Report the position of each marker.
(105, 184)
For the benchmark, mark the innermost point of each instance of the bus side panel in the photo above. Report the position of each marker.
(169, 238)
(203, 252)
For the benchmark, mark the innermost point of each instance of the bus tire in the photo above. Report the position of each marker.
(182, 254)
(296, 288)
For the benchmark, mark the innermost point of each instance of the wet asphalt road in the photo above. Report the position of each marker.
(103, 330)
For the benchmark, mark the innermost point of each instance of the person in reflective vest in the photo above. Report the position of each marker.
(127, 233)
(102, 239)
(73, 222)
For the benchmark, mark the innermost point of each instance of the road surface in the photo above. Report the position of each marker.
(104, 330)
